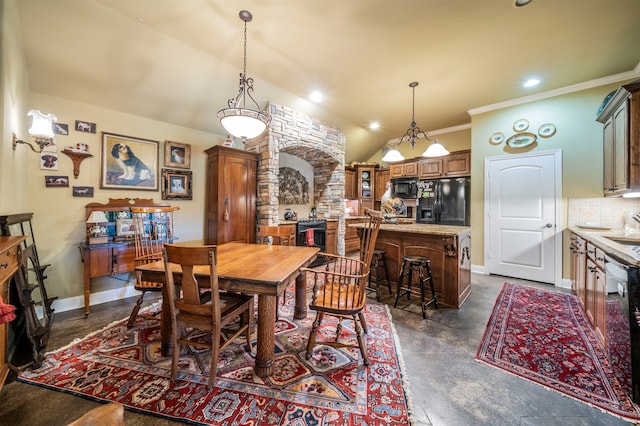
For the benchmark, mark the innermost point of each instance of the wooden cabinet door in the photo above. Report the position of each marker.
(589, 302)
(411, 169)
(331, 237)
(581, 270)
(621, 148)
(609, 165)
(101, 262)
(350, 192)
(124, 259)
(458, 164)
(430, 168)
(382, 177)
(396, 171)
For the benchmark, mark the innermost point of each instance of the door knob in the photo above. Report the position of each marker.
(548, 225)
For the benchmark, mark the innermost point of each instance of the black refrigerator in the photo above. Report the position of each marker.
(444, 201)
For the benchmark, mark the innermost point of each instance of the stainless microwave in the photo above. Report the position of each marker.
(405, 187)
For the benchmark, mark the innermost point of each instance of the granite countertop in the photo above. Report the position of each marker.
(421, 228)
(627, 252)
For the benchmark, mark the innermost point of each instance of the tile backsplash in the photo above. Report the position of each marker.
(609, 212)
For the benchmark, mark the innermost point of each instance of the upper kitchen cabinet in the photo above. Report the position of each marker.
(366, 186)
(455, 164)
(405, 169)
(382, 177)
(621, 141)
(230, 197)
(350, 183)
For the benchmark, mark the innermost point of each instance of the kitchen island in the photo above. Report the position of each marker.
(448, 248)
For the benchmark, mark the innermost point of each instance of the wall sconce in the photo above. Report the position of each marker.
(97, 233)
(41, 130)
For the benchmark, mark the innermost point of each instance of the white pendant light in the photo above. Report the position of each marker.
(392, 155)
(435, 150)
(238, 120)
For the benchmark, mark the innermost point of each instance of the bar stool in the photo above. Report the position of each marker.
(419, 264)
(378, 261)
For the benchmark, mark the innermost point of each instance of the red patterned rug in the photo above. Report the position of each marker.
(123, 365)
(545, 337)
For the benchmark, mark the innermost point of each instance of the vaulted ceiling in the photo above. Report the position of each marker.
(179, 61)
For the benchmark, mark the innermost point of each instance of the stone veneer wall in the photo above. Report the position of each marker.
(316, 142)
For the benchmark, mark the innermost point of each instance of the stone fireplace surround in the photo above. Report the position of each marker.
(315, 142)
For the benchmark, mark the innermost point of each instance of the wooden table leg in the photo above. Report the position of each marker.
(300, 310)
(266, 335)
(165, 325)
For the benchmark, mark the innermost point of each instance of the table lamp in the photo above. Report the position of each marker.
(97, 233)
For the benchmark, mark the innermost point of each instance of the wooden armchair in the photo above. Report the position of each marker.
(339, 289)
(153, 227)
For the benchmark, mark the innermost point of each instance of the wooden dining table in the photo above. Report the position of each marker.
(265, 270)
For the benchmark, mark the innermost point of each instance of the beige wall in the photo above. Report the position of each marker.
(578, 135)
(15, 92)
(59, 217)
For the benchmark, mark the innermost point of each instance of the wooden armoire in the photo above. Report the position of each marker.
(230, 200)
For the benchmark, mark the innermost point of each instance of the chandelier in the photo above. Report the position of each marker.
(412, 135)
(237, 119)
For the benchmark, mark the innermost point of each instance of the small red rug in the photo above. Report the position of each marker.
(545, 337)
(124, 365)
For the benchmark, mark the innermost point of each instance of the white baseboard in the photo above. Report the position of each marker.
(479, 269)
(77, 302)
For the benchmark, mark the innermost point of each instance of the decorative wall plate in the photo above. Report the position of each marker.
(496, 138)
(521, 140)
(521, 125)
(547, 130)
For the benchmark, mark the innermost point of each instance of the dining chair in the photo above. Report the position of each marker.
(196, 312)
(278, 235)
(152, 227)
(339, 289)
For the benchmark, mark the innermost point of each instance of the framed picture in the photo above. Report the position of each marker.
(177, 184)
(129, 163)
(124, 227)
(85, 126)
(56, 181)
(82, 191)
(61, 129)
(177, 155)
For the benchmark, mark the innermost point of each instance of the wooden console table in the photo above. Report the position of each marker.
(113, 257)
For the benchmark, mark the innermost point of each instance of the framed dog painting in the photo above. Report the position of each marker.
(129, 163)
(177, 155)
(177, 184)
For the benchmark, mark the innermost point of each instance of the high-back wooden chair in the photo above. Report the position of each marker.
(194, 310)
(152, 227)
(339, 289)
(278, 235)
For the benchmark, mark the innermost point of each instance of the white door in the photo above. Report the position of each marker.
(523, 207)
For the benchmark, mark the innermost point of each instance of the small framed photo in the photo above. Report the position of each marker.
(82, 191)
(129, 163)
(61, 129)
(177, 155)
(177, 184)
(85, 126)
(124, 227)
(56, 181)
(48, 161)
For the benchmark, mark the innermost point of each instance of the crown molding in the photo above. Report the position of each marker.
(558, 92)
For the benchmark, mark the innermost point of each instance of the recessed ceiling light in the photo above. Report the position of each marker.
(374, 126)
(521, 3)
(531, 82)
(316, 96)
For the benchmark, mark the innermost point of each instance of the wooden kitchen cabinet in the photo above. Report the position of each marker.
(230, 195)
(350, 184)
(596, 292)
(405, 169)
(365, 175)
(331, 237)
(578, 250)
(456, 164)
(382, 177)
(351, 239)
(621, 141)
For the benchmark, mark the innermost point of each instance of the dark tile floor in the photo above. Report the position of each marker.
(447, 385)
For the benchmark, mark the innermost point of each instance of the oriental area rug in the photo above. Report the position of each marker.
(545, 337)
(123, 365)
